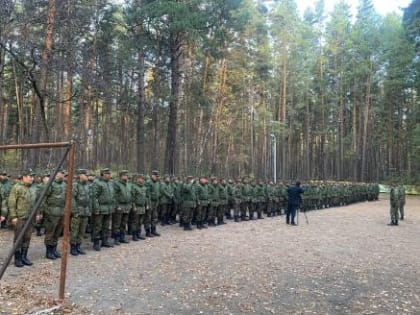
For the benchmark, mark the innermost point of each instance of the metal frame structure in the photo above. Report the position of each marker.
(69, 154)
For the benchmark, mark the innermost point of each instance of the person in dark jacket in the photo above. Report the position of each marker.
(294, 198)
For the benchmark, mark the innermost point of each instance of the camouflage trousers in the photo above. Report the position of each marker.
(212, 212)
(201, 213)
(187, 215)
(53, 229)
(394, 212)
(237, 209)
(246, 206)
(135, 221)
(221, 211)
(100, 223)
(151, 218)
(119, 222)
(26, 240)
(78, 225)
(401, 209)
(165, 212)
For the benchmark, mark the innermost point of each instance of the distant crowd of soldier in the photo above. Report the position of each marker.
(133, 204)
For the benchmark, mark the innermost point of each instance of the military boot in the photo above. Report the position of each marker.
(123, 240)
(199, 225)
(49, 253)
(73, 250)
(260, 216)
(116, 238)
(187, 227)
(244, 218)
(96, 245)
(139, 236)
(55, 252)
(18, 258)
(149, 232)
(134, 236)
(106, 243)
(38, 231)
(220, 221)
(154, 232)
(25, 259)
(80, 250)
(237, 218)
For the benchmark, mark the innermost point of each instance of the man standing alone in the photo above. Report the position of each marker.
(294, 197)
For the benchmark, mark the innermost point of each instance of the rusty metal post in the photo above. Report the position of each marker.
(67, 213)
(40, 199)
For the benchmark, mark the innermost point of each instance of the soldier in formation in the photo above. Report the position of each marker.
(124, 205)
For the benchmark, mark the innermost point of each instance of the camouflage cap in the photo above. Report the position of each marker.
(81, 171)
(123, 172)
(105, 171)
(155, 172)
(138, 175)
(28, 172)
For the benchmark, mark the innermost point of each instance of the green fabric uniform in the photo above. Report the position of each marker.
(21, 200)
(166, 200)
(81, 211)
(401, 201)
(141, 202)
(223, 203)
(123, 204)
(203, 200)
(103, 205)
(214, 203)
(231, 200)
(394, 201)
(152, 212)
(53, 210)
(176, 204)
(247, 198)
(189, 200)
(238, 199)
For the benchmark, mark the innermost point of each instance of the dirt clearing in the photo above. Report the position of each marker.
(345, 261)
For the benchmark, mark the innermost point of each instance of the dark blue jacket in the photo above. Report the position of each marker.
(294, 193)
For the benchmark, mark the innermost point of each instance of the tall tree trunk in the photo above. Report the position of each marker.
(171, 138)
(366, 122)
(141, 141)
(39, 117)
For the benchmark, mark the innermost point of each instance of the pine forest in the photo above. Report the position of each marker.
(222, 87)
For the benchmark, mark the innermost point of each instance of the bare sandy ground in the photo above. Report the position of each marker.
(345, 261)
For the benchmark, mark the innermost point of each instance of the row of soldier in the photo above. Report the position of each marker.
(125, 206)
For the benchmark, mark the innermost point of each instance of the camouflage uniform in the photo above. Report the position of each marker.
(223, 203)
(401, 200)
(53, 214)
(203, 201)
(394, 202)
(21, 200)
(123, 204)
(141, 202)
(189, 199)
(153, 186)
(103, 205)
(214, 202)
(81, 211)
(238, 200)
(5, 188)
(246, 204)
(166, 200)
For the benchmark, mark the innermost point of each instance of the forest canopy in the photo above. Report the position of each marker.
(222, 87)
